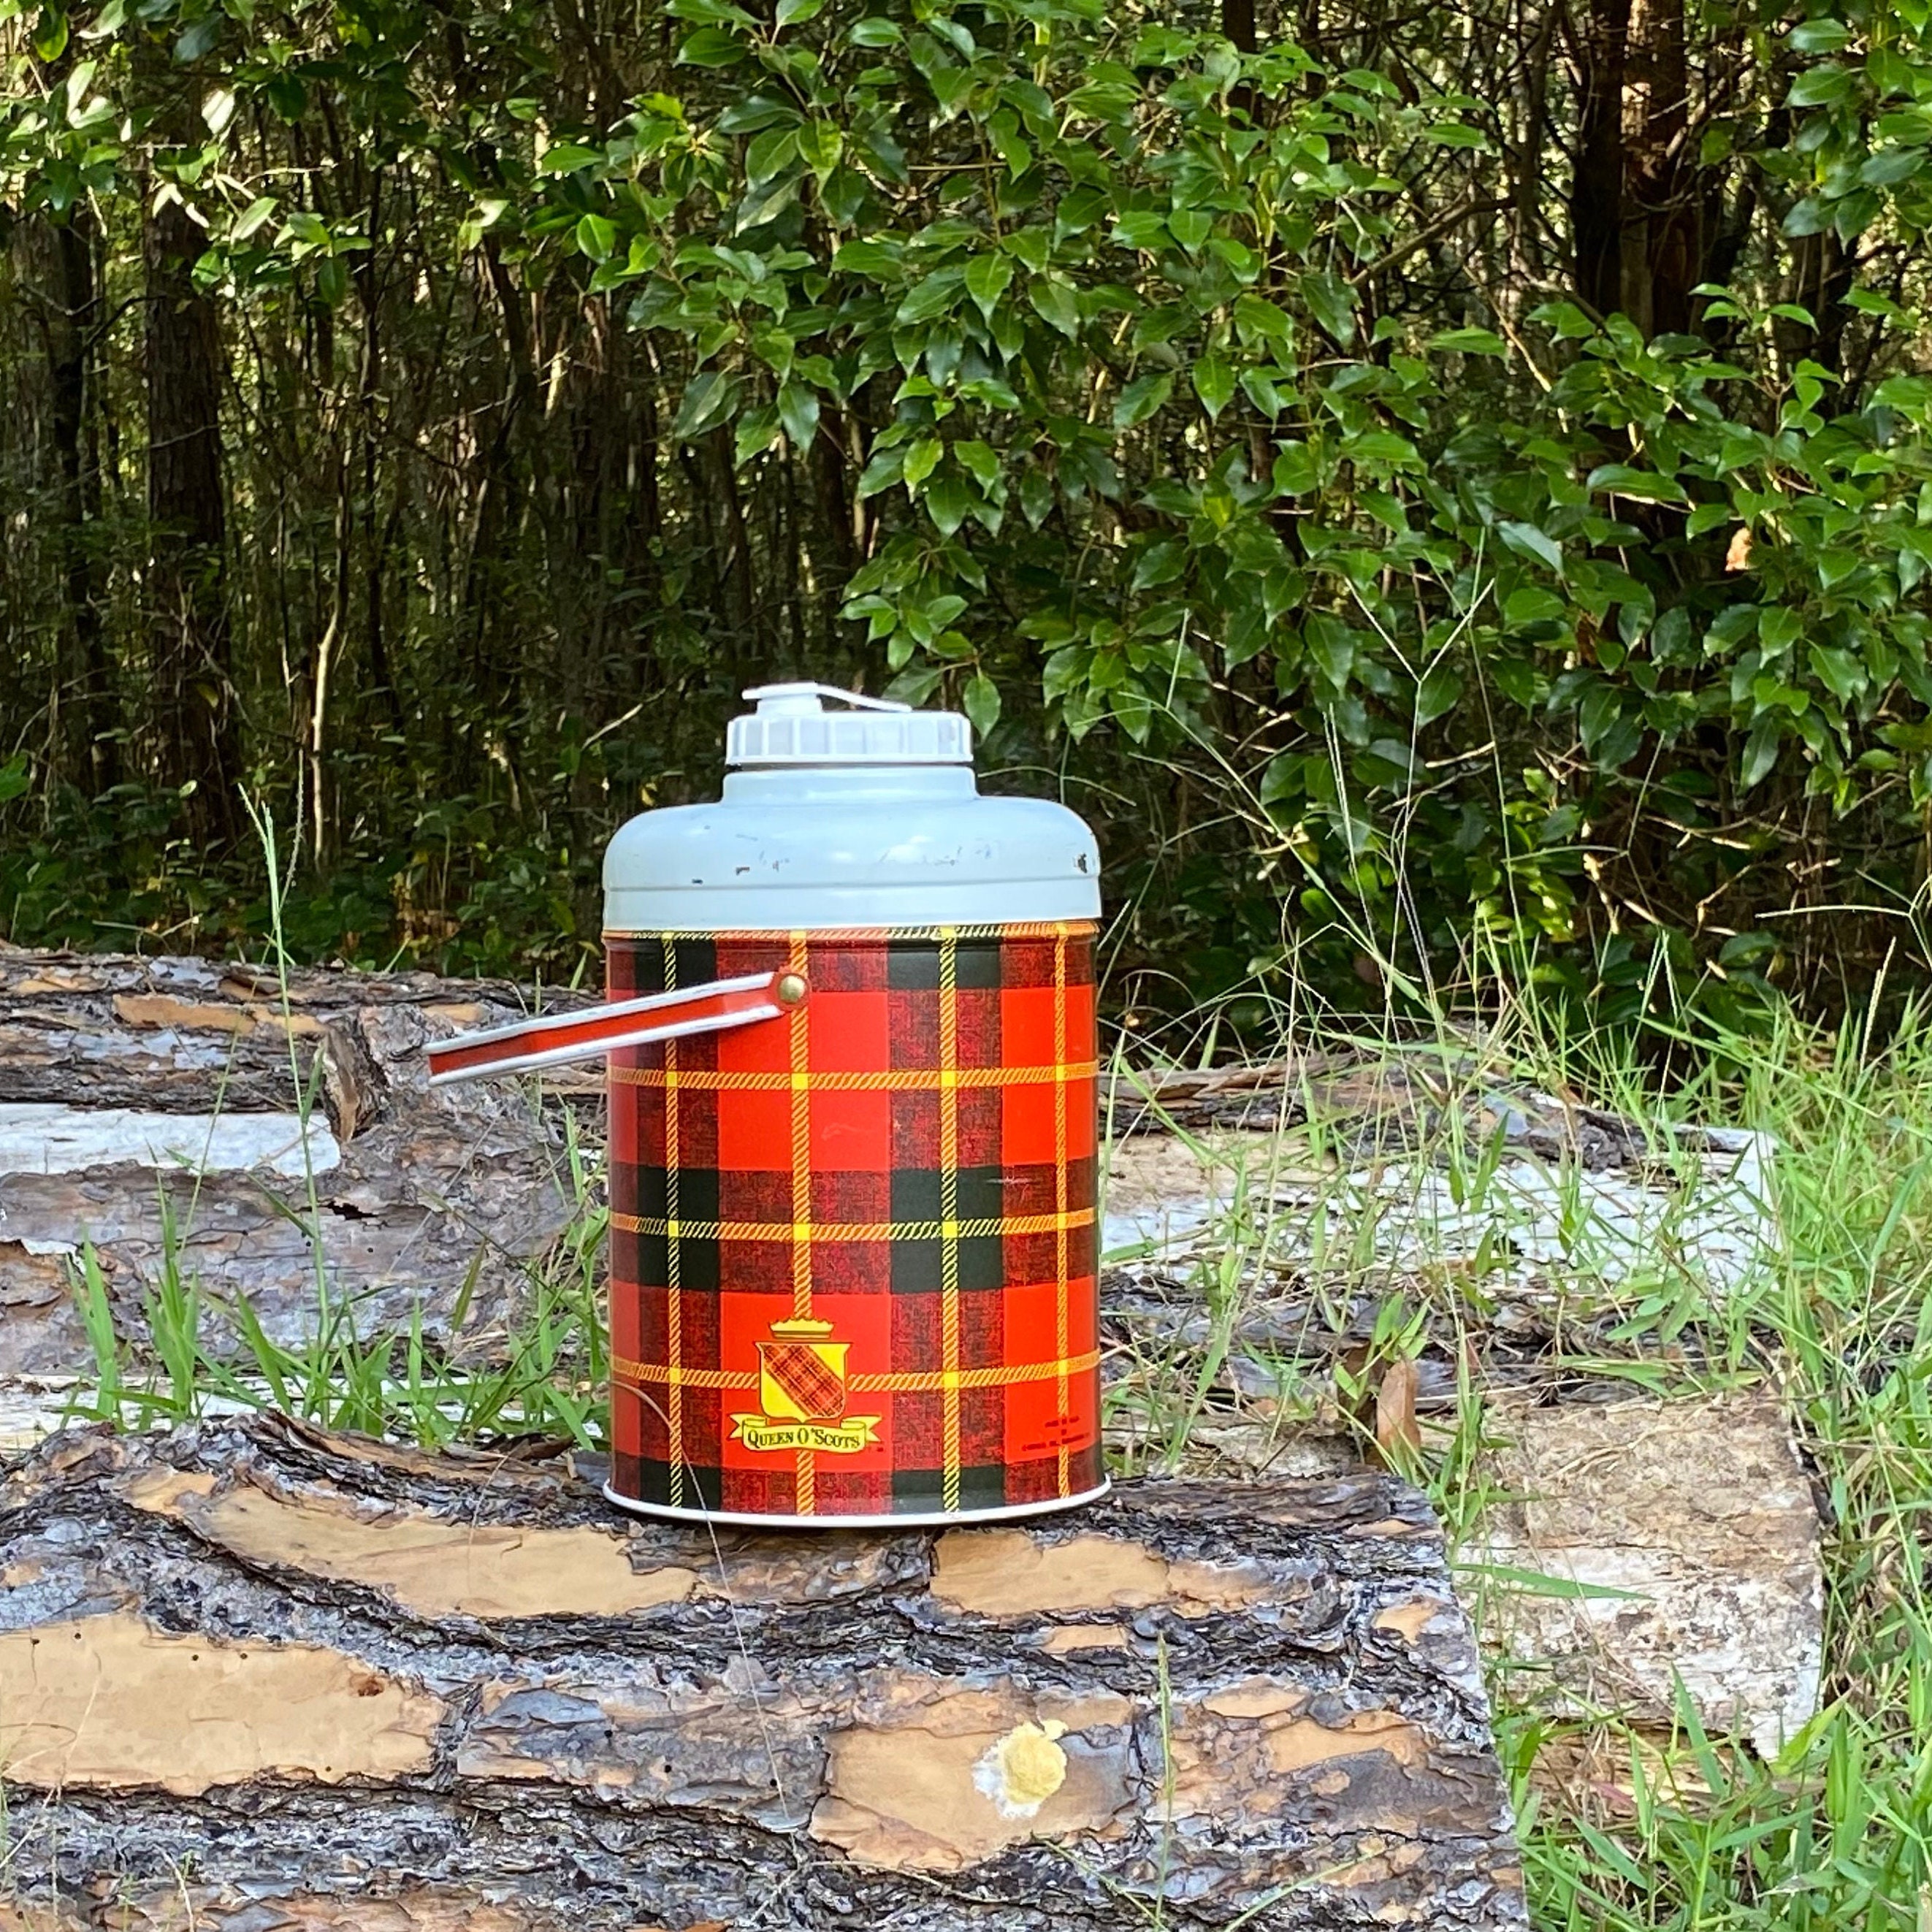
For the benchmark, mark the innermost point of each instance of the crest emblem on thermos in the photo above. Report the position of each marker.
(802, 1371)
(802, 1395)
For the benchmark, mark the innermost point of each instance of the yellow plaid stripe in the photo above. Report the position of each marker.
(804, 1499)
(916, 1382)
(1061, 1317)
(895, 1080)
(805, 1231)
(675, 1420)
(949, 1213)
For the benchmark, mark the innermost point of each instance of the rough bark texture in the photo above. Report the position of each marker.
(1376, 1105)
(1599, 49)
(1662, 244)
(149, 1064)
(274, 1678)
(1692, 1530)
(1640, 198)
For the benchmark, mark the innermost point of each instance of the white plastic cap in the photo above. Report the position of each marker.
(792, 727)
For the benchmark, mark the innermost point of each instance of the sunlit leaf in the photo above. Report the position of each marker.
(1526, 540)
(1142, 398)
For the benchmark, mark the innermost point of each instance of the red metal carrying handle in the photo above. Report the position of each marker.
(710, 1008)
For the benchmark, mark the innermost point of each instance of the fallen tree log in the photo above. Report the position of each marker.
(256, 1677)
(177, 1111)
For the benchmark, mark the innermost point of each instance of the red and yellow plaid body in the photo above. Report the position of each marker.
(854, 1249)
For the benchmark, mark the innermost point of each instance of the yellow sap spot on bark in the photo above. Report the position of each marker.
(1022, 1770)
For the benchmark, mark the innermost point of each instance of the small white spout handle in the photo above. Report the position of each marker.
(794, 700)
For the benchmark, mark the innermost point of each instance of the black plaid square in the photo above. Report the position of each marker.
(697, 1260)
(918, 1200)
(697, 1189)
(922, 1492)
(912, 965)
(701, 1487)
(975, 964)
(918, 1194)
(694, 962)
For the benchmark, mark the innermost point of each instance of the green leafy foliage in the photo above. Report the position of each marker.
(1147, 443)
(1121, 387)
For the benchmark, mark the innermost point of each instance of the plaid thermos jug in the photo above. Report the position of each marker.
(850, 1038)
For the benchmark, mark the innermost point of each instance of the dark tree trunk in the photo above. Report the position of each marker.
(1663, 242)
(1639, 200)
(1599, 49)
(369, 426)
(732, 562)
(832, 492)
(263, 1676)
(1528, 160)
(503, 481)
(193, 701)
(1237, 22)
(85, 713)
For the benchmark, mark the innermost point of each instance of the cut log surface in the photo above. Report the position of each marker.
(136, 1094)
(1692, 1532)
(253, 1677)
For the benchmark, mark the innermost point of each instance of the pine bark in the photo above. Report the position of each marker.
(263, 1677)
(426, 1201)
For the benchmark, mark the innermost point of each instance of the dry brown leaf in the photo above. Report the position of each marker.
(1396, 1424)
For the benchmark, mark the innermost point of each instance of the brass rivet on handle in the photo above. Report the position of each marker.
(789, 989)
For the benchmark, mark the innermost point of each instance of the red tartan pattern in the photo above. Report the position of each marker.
(909, 1156)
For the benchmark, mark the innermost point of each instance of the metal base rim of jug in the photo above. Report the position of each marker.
(877, 1520)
